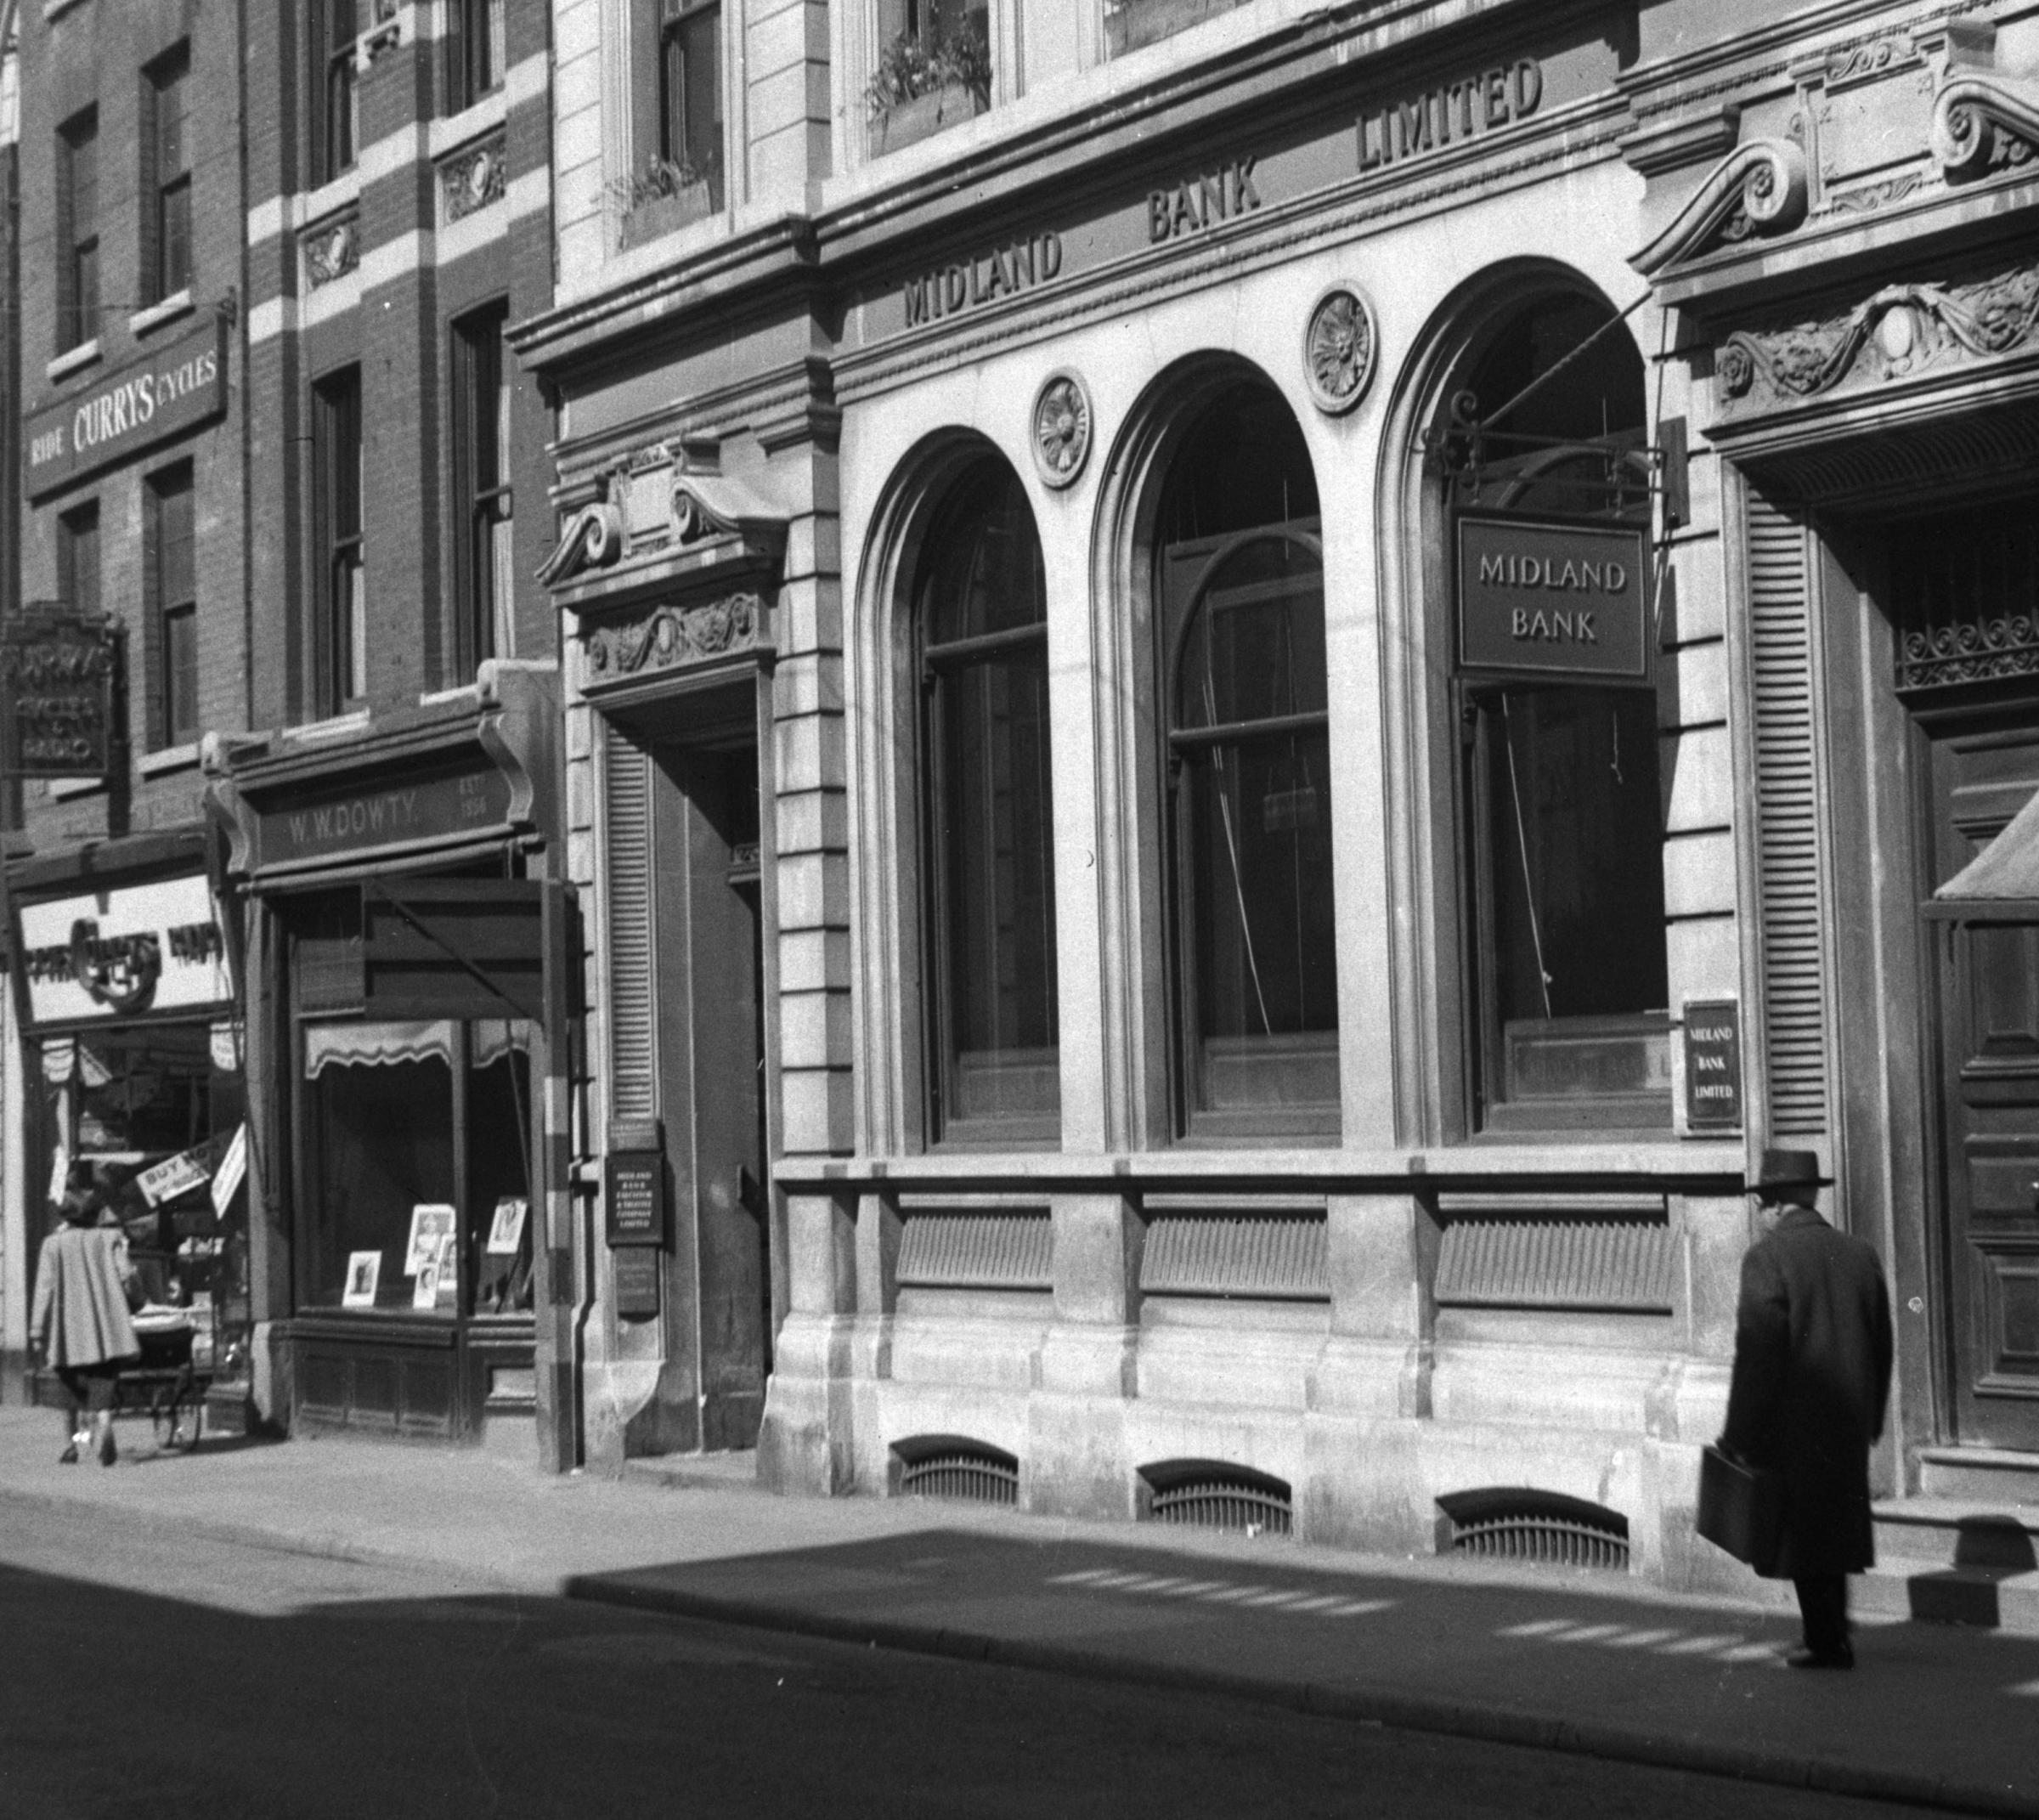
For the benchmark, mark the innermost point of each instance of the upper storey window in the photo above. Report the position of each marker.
(334, 25)
(476, 60)
(166, 183)
(1129, 24)
(933, 69)
(690, 91)
(1562, 820)
(1247, 776)
(78, 231)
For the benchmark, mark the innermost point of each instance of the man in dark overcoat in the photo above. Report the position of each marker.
(1812, 1372)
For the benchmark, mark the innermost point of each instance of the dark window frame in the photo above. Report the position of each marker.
(338, 456)
(944, 667)
(334, 113)
(483, 495)
(476, 54)
(166, 249)
(78, 230)
(172, 585)
(683, 139)
(77, 532)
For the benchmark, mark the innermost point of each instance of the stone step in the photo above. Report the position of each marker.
(1955, 1561)
(1965, 1596)
(1988, 1475)
(736, 1471)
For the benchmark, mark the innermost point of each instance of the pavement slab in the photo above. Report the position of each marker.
(1935, 1714)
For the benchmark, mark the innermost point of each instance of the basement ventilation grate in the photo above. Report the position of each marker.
(1214, 1494)
(1545, 1528)
(961, 1470)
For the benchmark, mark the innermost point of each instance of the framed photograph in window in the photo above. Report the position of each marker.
(506, 1231)
(363, 1274)
(431, 1224)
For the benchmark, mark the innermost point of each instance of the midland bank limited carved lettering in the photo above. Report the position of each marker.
(1427, 123)
(949, 290)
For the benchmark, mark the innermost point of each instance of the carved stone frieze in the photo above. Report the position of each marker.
(472, 179)
(1061, 429)
(1982, 119)
(669, 637)
(1758, 187)
(1899, 330)
(331, 251)
(1340, 350)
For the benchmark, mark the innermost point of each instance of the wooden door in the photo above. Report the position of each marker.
(1989, 1018)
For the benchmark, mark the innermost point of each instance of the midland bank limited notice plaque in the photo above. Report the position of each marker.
(1557, 597)
(1713, 1064)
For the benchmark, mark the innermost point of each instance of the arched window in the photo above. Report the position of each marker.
(1247, 781)
(987, 816)
(1564, 827)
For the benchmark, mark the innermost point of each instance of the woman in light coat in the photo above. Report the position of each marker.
(79, 1321)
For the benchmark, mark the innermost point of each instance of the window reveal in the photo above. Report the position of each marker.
(78, 557)
(337, 106)
(690, 91)
(78, 235)
(486, 574)
(341, 582)
(173, 583)
(167, 266)
(478, 62)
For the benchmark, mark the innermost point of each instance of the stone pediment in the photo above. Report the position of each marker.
(657, 520)
(1759, 187)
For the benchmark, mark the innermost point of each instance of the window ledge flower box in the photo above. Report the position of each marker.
(906, 122)
(658, 216)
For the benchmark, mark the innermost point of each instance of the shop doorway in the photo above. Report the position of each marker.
(1959, 581)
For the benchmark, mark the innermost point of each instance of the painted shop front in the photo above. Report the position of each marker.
(133, 1082)
(1273, 850)
(1870, 340)
(398, 921)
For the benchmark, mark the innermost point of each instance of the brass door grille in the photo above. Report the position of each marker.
(966, 1475)
(1206, 1495)
(1543, 1528)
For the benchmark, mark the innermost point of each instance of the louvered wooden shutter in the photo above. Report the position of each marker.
(1787, 829)
(633, 1055)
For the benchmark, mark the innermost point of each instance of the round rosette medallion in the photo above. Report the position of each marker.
(1061, 427)
(1339, 346)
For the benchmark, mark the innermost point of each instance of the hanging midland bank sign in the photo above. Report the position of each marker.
(1552, 596)
(164, 394)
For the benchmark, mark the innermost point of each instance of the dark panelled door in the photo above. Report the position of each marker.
(1989, 981)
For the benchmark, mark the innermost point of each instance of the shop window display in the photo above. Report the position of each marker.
(418, 1136)
(1247, 776)
(1562, 814)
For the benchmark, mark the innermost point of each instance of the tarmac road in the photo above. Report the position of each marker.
(153, 1675)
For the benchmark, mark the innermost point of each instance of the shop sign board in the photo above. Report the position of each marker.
(1713, 1064)
(454, 948)
(637, 1284)
(127, 951)
(1553, 598)
(163, 394)
(349, 823)
(57, 672)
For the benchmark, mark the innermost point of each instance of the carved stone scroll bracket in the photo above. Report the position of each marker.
(1759, 187)
(593, 538)
(1972, 109)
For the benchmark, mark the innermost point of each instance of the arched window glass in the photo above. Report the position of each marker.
(1563, 822)
(988, 817)
(1248, 782)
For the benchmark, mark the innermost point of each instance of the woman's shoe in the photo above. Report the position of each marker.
(69, 1456)
(102, 1428)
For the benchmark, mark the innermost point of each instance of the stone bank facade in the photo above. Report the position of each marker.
(1240, 713)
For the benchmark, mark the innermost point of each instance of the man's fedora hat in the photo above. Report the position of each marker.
(1790, 1169)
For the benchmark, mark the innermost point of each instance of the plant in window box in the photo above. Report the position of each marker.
(923, 84)
(665, 195)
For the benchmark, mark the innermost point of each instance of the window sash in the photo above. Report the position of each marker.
(690, 60)
(484, 582)
(78, 557)
(78, 312)
(335, 131)
(342, 604)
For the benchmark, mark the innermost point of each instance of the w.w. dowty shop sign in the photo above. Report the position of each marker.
(1553, 598)
(163, 394)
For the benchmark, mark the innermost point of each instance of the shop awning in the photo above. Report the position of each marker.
(388, 1045)
(2004, 877)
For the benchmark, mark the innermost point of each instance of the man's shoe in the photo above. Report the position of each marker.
(1809, 1658)
(69, 1456)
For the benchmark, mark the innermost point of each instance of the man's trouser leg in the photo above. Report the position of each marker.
(1823, 1606)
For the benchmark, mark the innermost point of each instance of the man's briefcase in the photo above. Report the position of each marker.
(1741, 1508)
